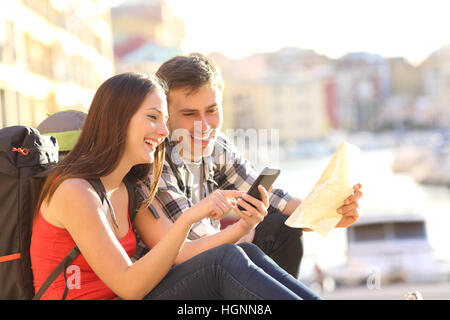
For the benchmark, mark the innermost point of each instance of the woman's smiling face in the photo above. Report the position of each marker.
(147, 128)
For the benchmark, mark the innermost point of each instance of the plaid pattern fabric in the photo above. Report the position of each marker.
(225, 169)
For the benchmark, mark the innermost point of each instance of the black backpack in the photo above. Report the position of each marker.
(26, 158)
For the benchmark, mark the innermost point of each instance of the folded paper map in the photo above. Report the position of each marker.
(318, 210)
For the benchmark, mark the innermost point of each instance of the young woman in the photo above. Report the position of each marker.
(123, 134)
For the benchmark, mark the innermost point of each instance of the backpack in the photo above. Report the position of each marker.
(26, 159)
(24, 154)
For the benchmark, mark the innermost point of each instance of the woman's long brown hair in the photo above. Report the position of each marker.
(102, 141)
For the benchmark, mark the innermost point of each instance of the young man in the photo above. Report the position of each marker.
(199, 160)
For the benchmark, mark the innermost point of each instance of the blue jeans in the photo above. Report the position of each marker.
(230, 272)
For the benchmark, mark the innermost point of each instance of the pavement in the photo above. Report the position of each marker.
(398, 291)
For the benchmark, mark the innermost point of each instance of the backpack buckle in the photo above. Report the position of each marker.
(23, 151)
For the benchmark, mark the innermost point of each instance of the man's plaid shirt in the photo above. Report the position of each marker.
(225, 169)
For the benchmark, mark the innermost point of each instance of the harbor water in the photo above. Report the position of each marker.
(384, 193)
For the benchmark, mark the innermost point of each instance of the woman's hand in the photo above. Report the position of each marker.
(251, 216)
(349, 210)
(215, 205)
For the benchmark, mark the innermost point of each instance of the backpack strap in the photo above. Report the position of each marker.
(131, 184)
(101, 191)
(136, 196)
(62, 266)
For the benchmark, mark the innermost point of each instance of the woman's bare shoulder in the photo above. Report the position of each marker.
(74, 187)
(72, 195)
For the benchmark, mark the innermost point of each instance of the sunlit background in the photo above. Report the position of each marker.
(373, 73)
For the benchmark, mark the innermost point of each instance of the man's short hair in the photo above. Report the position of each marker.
(191, 72)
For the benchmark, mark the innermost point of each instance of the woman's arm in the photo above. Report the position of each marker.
(152, 231)
(86, 222)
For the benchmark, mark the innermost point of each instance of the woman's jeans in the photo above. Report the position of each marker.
(231, 272)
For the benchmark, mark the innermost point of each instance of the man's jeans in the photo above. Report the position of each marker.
(231, 272)
(280, 242)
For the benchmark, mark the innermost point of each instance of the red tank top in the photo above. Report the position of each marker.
(50, 245)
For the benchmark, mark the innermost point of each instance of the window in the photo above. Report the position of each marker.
(2, 108)
(369, 232)
(10, 43)
(40, 7)
(2, 38)
(38, 57)
(97, 44)
(59, 62)
(409, 230)
(18, 107)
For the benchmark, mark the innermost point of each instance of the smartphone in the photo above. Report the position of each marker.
(266, 178)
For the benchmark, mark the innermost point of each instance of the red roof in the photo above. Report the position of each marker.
(129, 45)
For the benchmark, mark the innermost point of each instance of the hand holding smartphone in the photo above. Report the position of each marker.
(266, 178)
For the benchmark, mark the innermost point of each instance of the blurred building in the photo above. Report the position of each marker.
(404, 108)
(436, 82)
(305, 95)
(146, 33)
(293, 105)
(53, 56)
(281, 91)
(406, 79)
(362, 82)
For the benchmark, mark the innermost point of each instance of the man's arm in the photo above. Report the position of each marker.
(234, 172)
(291, 205)
(349, 210)
(160, 227)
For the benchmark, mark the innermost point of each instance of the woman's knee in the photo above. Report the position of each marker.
(249, 247)
(228, 249)
(221, 250)
(229, 254)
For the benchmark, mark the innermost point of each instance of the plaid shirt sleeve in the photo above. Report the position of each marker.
(235, 172)
(174, 201)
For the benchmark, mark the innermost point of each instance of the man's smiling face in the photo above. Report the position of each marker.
(197, 118)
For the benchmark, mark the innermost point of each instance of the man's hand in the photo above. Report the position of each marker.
(251, 216)
(349, 210)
